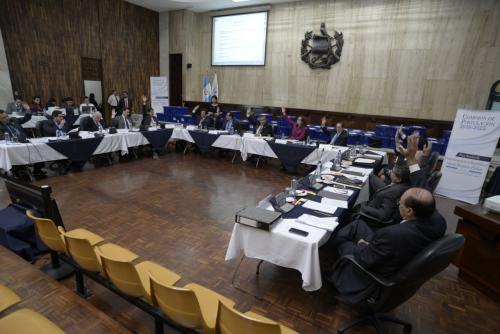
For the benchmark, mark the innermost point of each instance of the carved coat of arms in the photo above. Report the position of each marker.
(323, 50)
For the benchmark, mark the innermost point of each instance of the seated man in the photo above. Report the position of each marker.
(18, 106)
(337, 137)
(12, 126)
(86, 107)
(123, 120)
(263, 129)
(71, 112)
(148, 115)
(51, 126)
(229, 124)
(204, 121)
(383, 204)
(92, 123)
(387, 250)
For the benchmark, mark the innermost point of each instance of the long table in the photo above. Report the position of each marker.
(280, 247)
(49, 149)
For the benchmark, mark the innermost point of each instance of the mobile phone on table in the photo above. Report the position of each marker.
(298, 232)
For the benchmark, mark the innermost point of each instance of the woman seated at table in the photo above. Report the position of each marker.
(299, 128)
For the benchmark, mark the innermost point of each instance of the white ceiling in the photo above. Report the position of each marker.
(200, 5)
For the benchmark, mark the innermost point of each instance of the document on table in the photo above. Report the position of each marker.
(364, 161)
(328, 223)
(334, 190)
(320, 207)
(334, 202)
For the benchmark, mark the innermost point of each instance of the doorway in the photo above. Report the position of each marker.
(175, 68)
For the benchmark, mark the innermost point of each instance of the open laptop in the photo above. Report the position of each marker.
(280, 204)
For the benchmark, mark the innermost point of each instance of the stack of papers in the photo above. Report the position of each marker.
(364, 161)
(334, 202)
(328, 223)
(280, 141)
(347, 192)
(320, 207)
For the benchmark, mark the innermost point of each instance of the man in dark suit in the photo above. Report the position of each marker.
(421, 165)
(148, 115)
(387, 250)
(72, 112)
(122, 121)
(12, 125)
(382, 208)
(124, 103)
(337, 137)
(229, 124)
(204, 121)
(263, 129)
(92, 123)
(50, 126)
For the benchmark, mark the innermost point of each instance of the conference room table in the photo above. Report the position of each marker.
(283, 248)
(46, 149)
(289, 152)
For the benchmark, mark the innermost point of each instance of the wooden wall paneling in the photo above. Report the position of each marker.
(416, 59)
(46, 40)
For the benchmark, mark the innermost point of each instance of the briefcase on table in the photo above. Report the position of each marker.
(257, 217)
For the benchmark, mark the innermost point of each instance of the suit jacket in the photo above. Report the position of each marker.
(119, 122)
(389, 250)
(207, 123)
(49, 128)
(15, 125)
(235, 125)
(11, 107)
(267, 130)
(383, 205)
(88, 124)
(341, 139)
(121, 105)
(72, 115)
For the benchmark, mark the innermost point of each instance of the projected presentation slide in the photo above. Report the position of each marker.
(239, 39)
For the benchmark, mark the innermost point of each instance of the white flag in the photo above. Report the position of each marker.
(215, 86)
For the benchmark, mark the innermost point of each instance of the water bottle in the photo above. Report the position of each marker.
(317, 172)
(100, 129)
(308, 140)
(14, 138)
(7, 138)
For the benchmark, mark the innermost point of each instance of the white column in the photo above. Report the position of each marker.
(5, 83)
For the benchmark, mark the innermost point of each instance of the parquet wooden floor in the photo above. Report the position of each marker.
(179, 211)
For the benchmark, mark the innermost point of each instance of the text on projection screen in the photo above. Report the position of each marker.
(239, 39)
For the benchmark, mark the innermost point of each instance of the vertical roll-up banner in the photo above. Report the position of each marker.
(472, 144)
(159, 93)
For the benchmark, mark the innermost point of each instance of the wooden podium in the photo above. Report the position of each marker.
(479, 259)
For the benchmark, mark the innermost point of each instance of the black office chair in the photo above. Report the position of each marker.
(39, 128)
(396, 290)
(433, 180)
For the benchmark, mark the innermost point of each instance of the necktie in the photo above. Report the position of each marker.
(126, 122)
(334, 139)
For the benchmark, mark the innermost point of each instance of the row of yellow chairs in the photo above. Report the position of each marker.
(191, 306)
(23, 321)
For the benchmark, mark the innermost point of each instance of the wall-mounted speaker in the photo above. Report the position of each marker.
(189, 65)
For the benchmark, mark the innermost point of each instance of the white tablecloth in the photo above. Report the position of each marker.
(282, 248)
(285, 249)
(229, 142)
(257, 146)
(37, 150)
(181, 134)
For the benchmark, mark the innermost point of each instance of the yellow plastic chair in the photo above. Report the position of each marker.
(48, 232)
(192, 306)
(26, 321)
(230, 321)
(51, 234)
(8, 298)
(131, 279)
(81, 249)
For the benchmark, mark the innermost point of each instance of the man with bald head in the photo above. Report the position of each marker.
(387, 250)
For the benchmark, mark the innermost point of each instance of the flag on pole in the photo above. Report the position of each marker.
(207, 90)
(215, 86)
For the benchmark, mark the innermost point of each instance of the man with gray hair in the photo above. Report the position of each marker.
(387, 250)
(92, 123)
